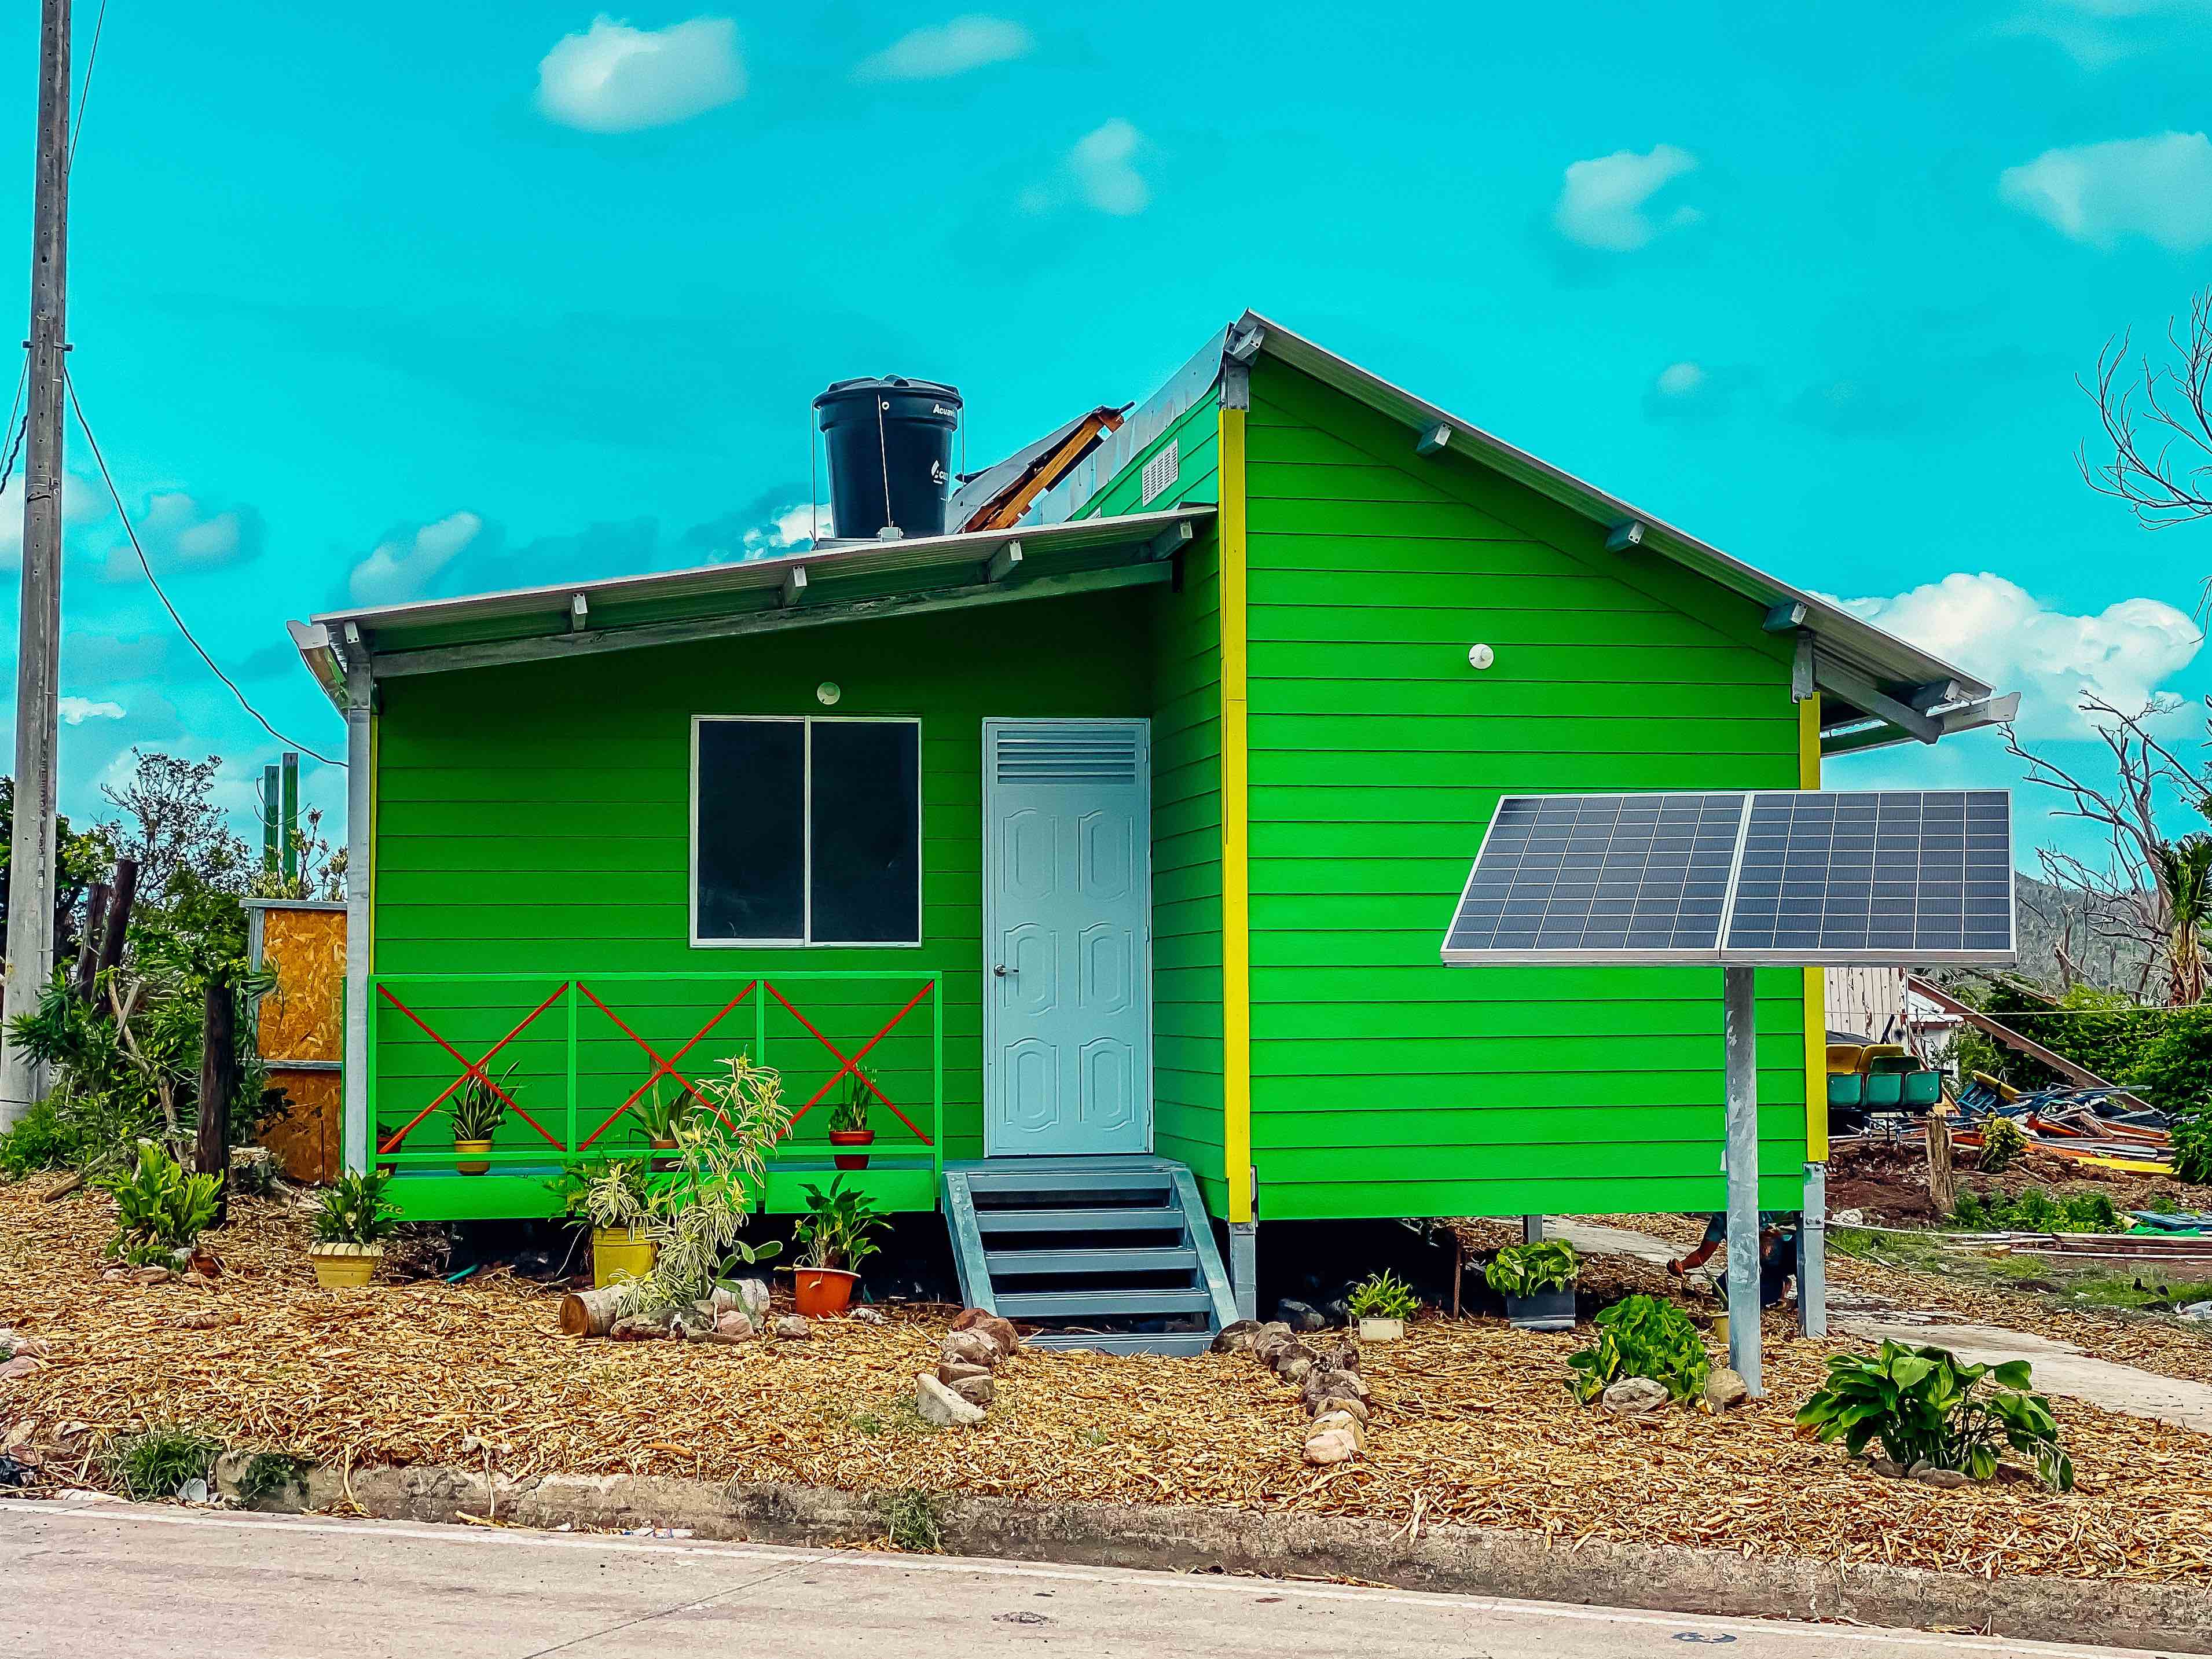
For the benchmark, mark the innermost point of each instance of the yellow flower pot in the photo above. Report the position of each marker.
(473, 1157)
(620, 1253)
(345, 1266)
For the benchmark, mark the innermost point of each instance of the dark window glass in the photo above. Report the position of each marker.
(752, 829)
(867, 871)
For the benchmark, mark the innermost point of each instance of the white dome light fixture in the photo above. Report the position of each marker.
(827, 692)
(1480, 656)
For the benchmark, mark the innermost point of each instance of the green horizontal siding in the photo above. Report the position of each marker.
(535, 818)
(1384, 1083)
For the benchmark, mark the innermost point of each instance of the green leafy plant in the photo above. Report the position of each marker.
(42, 1138)
(1642, 1336)
(913, 1521)
(850, 1114)
(157, 1462)
(695, 1214)
(2089, 1212)
(478, 1108)
(1531, 1269)
(2192, 1147)
(2033, 1211)
(267, 1474)
(1926, 1406)
(838, 1230)
(1383, 1296)
(657, 1119)
(2002, 1141)
(609, 1193)
(161, 1208)
(352, 1210)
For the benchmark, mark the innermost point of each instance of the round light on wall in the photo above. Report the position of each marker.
(1480, 656)
(829, 691)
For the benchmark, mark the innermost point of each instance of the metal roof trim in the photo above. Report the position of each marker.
(922, 552)
(1880, 654)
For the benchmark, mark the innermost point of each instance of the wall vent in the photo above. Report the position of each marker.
(1159, 472)
(1068, 754)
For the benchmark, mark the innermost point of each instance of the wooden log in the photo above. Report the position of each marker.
(1942, 1168)
(218, 1082)
(592, 1312)
(118, 925)
(63, 1186)
(87, 955)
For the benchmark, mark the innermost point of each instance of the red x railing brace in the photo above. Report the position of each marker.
(661, 1068)
(853, 1064)
(470, 1068)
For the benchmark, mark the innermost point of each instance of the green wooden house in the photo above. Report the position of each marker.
(1113, 847)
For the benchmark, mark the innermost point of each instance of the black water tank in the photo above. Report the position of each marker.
(890, 455)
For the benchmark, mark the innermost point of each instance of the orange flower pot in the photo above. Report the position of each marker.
(852, 1138)
(820, 1290)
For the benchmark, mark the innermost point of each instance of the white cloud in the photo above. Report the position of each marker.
(1102, 162)
(953, 48)
(402, 566)
(83, 501)
(2159, 188)
(792, 527)
(1679, 380)
(1995, 629)
(1601, 204)
(76, 711)
(614, 78)
(2098, 34)
(179, 533)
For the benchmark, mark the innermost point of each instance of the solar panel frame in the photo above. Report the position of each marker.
(1499, 921)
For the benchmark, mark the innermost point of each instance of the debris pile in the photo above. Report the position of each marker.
(956, 1394)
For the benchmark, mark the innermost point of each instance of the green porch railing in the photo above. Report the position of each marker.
(576, 1054)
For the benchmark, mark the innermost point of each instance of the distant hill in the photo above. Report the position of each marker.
(2044, 910)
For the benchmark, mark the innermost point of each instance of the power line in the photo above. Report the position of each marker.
(144, 564)
(84, 91)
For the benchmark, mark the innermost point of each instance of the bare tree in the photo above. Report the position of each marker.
(171, 823)
(2158, 420)
(2143, 892)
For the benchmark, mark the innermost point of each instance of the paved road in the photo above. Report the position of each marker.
(121, 1582)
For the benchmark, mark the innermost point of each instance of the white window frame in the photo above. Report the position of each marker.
(808, 942)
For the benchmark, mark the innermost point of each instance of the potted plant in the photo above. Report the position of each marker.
(1537, 1280)
(659, 1120)
(352, 1220)
(477, 1111)
(834, 1236)
(848, 1120)
(613, 1195)
(1383, 1302)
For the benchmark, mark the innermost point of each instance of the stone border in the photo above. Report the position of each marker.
(1183, 1538)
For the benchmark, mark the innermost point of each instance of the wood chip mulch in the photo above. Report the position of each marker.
(1472, 1423)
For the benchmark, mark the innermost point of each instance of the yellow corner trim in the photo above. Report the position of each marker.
(1816, 987)
(1236, 809)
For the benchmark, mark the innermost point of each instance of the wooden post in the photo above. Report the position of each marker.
(218, 1081)
(87, 950)
(118, 925)
(1942, 1167)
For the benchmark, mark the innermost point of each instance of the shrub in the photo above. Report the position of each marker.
(1642, 1336)
(158, 1461)
(1971, 1214)
(1531, 1269)
(2088, 1212)
(1925, 1406)
(159, 1208)
(609, 1193)
(2033, 1211)
(42, 1140)
(354, 1211)
(2002, 1141)
(2192, 1147)
(697, 1212)
(1383, 1296)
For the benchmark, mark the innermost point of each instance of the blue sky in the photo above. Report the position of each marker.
(403, 300)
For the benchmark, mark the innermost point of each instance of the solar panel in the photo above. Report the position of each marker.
(1781, 877)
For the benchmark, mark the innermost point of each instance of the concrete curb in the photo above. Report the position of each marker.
(1459, 1561)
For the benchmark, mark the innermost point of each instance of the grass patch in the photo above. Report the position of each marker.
(154, 1464)
(914, 1522)
(2140, 1290)
(267, 1474)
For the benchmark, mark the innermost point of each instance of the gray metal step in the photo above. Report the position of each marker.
(1013, 1264)
(1077, 1304)
(1181, 1343)
(1078, 1221)
(1061, 1183)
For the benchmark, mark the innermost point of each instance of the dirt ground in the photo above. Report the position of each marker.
(1889, 1183)
(1472, 1420)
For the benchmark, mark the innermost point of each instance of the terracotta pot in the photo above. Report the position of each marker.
(852, 1138)
(819, 1291)
(663, 1165)
(471, 1154)
(620, 1253)
(345, 1266)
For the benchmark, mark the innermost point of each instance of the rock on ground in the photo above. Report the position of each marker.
(869, 1317)
(1725, 1390)
(1342, 1423)
(976, 1390)
(1237, 1337)
(794, 1328)
(939, 1405)
(1635, 1396)
(971, 1347)
(1353, 1408)
(1001, 1331)
(1300, 1316)
(1335, 1446)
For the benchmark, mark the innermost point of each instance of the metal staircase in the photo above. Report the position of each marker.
(1111, 1254)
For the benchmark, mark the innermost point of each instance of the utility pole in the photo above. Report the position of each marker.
(38, 655)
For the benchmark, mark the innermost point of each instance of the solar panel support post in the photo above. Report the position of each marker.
(1740, 1040)
(1531, 1230)
(1813, 1254)
(1244, 1268)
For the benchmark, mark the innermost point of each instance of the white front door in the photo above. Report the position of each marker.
(1068, 904)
